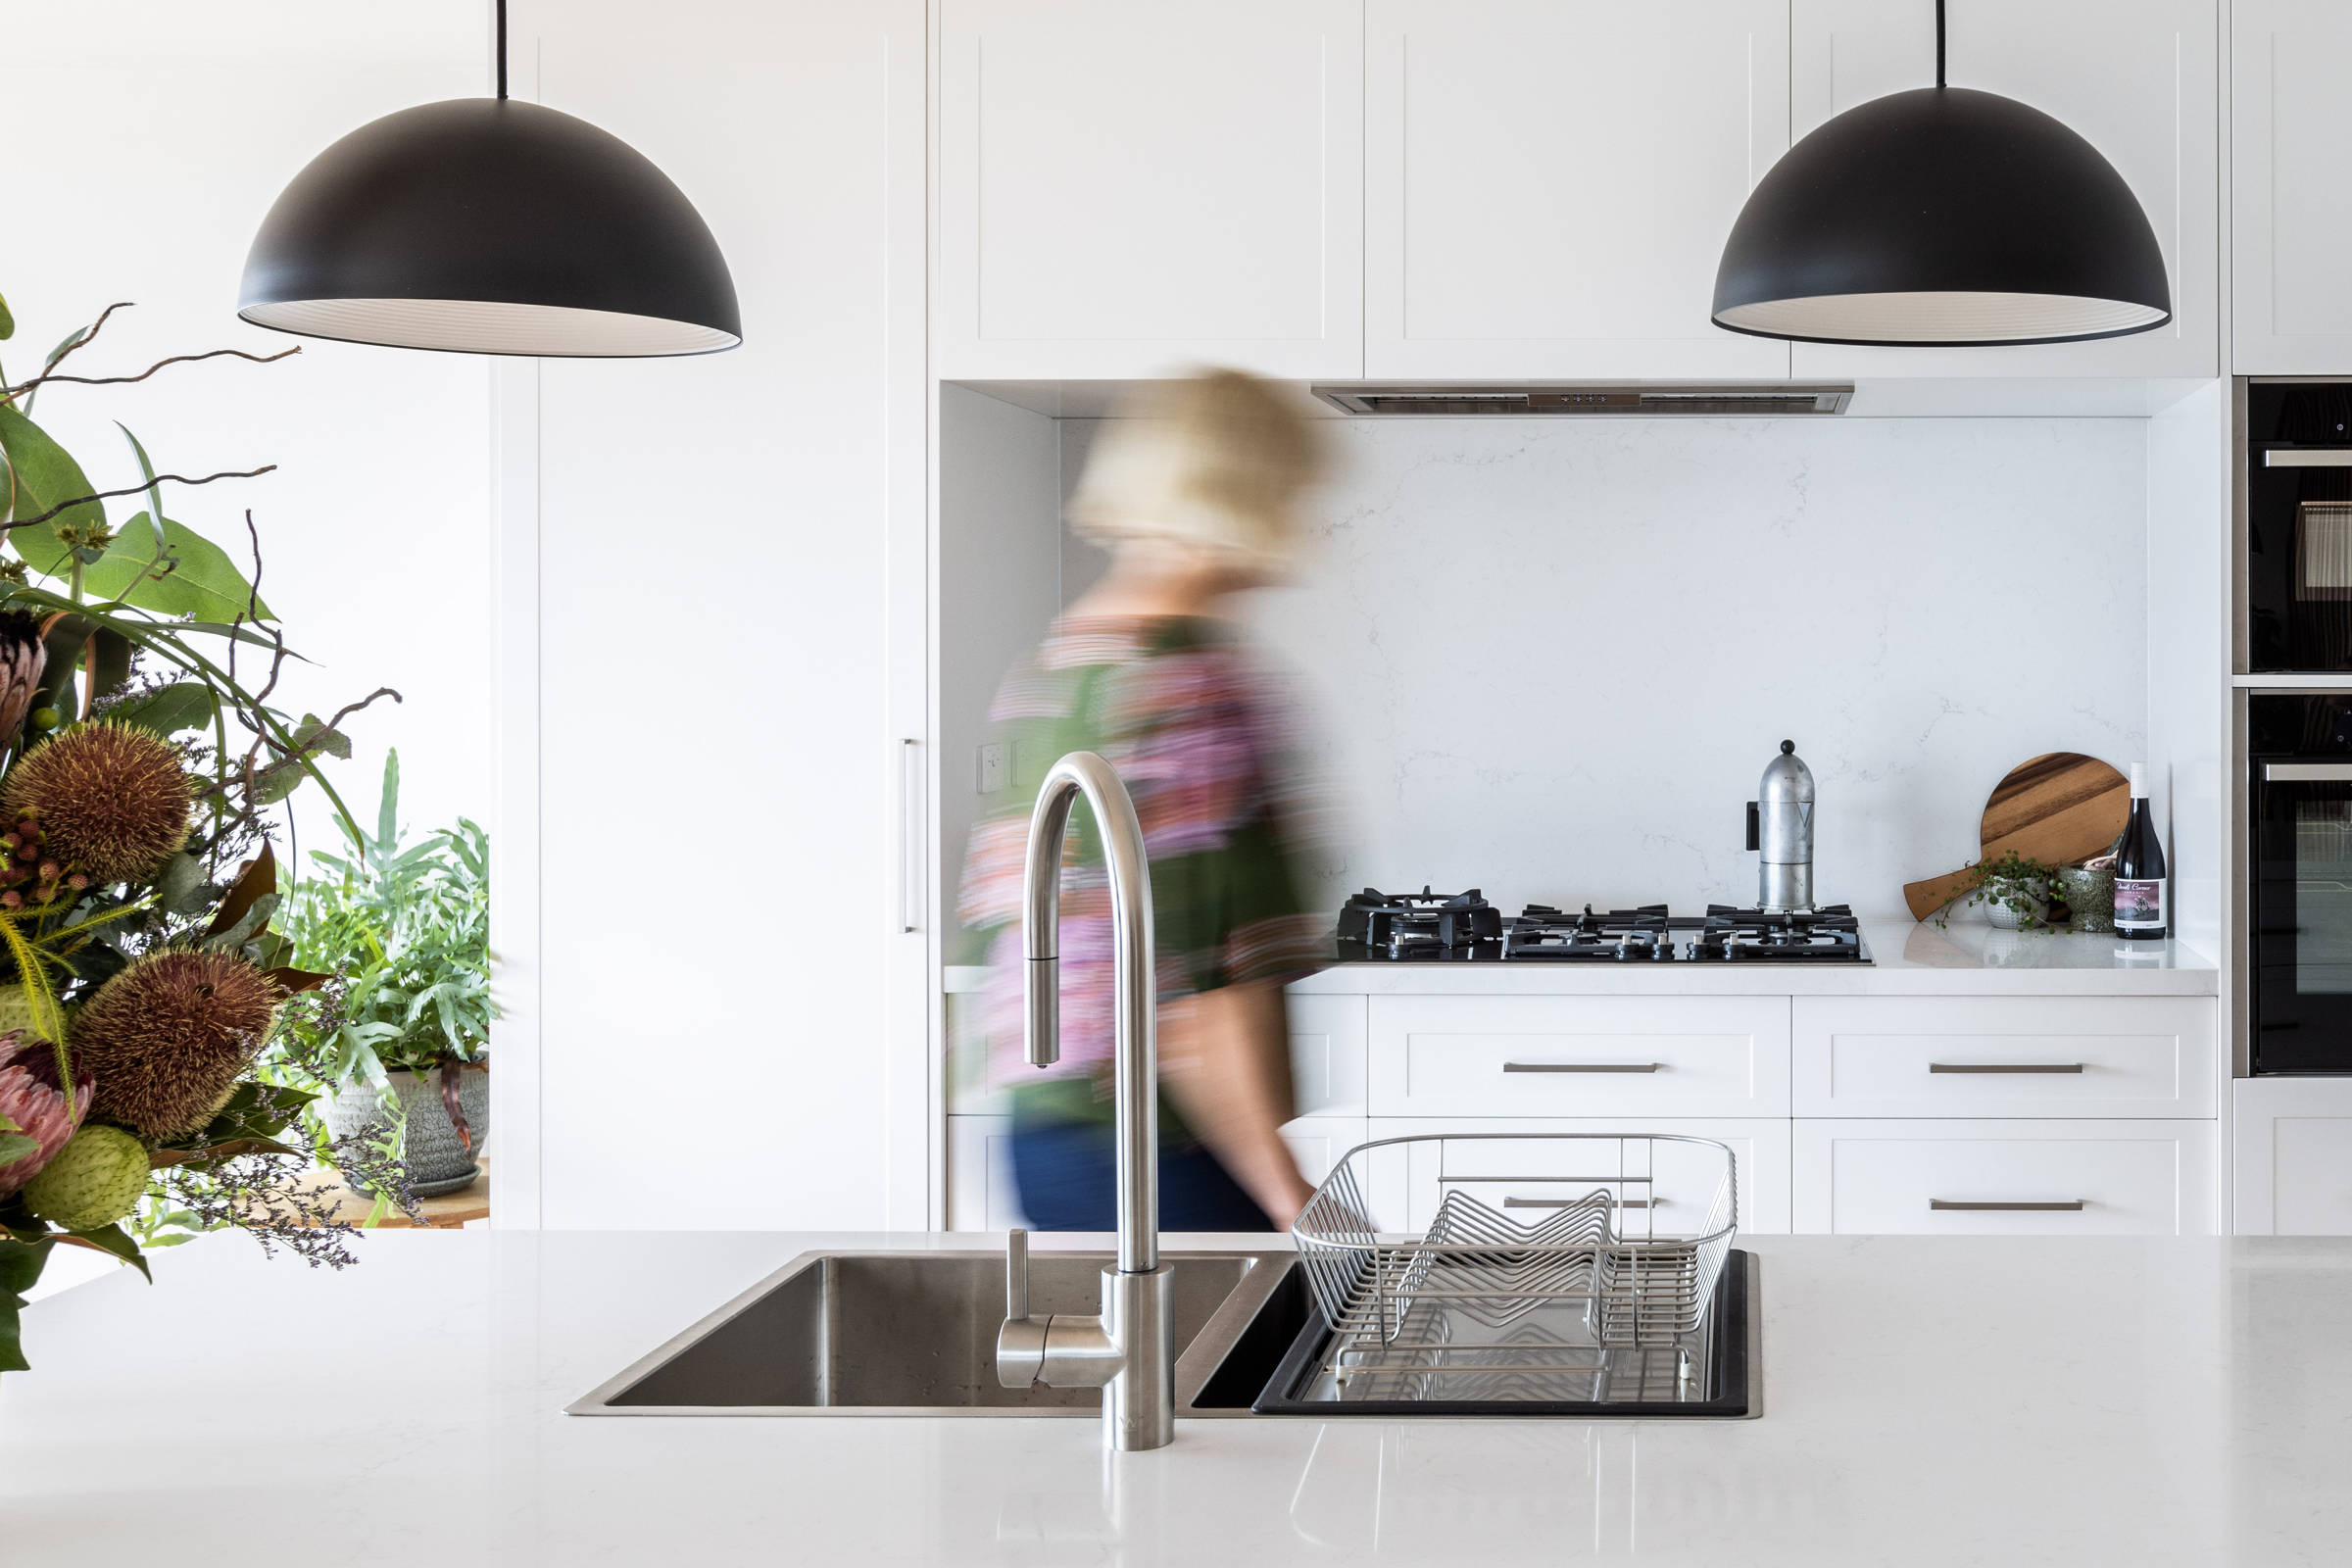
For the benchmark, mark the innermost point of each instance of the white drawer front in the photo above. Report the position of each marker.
(2006, 1178)
(2076, 1056)
(1579, 1055)
(1404, 1191)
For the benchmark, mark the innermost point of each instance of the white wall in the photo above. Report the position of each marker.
(149, 137)
(721, 559)
(1552, 656)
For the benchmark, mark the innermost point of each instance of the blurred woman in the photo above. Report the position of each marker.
(1196, 496)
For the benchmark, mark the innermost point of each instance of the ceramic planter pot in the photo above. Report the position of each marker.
(2092, 897)
(2002, 917)
(438, 1159)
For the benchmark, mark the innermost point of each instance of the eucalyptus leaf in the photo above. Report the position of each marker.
(180, 886)
(42, 474)
(183, 705)
(172, 569)
(16, 1146)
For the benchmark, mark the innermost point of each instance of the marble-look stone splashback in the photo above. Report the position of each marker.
(1551, 657)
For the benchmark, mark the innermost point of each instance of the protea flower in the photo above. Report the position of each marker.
(21, 660)
(169, 1036)
(112, 800)
(30, 1097)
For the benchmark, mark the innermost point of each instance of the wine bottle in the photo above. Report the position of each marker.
(2141, 909)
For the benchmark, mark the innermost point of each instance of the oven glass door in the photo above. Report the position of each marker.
(2303, 917)
(2299, 525)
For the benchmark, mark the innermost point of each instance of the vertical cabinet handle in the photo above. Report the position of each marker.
(910, 836)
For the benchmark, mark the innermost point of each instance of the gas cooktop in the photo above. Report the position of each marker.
(1464, 928)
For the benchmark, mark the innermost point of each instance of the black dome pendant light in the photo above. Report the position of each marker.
(1942, 218)
(483, 225)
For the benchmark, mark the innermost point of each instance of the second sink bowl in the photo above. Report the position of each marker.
(916, 1334)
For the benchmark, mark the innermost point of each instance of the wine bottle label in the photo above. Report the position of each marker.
(2139, 904)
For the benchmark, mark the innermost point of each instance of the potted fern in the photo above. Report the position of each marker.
(405, 929)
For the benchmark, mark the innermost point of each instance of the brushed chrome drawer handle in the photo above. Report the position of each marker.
(2005, 1066)
(1582, 1066)
(1571, 1202)
(1966, 1206)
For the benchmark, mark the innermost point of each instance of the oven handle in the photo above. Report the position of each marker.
(2309, 458)
(2307, 772)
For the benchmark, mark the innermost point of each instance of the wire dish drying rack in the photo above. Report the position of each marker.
(1598, 1294)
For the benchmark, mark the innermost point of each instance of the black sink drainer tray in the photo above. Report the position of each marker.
(1724, 1392)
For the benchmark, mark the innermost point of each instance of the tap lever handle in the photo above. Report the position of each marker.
(1016, 1274)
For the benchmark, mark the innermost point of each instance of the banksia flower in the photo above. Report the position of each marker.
(21, 660)
(30, 1097)
(168, 1037)
(112, 800)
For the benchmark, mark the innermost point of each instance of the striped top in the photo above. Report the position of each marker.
(1178, 708)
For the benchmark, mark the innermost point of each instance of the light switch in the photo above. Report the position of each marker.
(988, 770)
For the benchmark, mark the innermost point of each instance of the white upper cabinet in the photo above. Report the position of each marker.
(2136, 77)
(1127, 188)
(2291, 215)
(1548, 183)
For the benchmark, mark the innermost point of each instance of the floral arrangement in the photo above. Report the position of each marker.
(140, 980)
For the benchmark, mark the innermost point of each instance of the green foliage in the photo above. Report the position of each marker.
(2018, 883)
(13, 1145)
(408, 929)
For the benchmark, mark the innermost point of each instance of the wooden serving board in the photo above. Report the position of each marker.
(2060, 807)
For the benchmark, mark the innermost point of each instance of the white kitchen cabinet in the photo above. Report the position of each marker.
(2290, 204)
(1317, 1143)
(2290, 1155)
(1548, 183)
(2004, 1178)
(981, 1195)
(1992, 1057)
(2138, 78)
(1327, 1055)
(1579, 1056)
(1124, 189)
(1404, 1189)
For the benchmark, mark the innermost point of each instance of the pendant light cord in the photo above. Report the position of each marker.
(502, 58)
(502, 46)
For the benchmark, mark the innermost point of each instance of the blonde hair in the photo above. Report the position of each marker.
(1216, 462)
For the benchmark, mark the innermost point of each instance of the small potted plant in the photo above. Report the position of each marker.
(2018, 893)
(405, 929)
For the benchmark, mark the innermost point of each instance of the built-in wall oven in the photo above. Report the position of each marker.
(2298, 525)
(2299, 755)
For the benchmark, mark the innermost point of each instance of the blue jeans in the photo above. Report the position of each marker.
(1068, 1177)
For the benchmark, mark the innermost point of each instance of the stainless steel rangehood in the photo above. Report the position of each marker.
(1522, 399)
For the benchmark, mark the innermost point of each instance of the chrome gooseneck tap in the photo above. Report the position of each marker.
(1128, 1351)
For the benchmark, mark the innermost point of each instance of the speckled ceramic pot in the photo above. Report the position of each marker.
(2092, 897)
(438, 1159)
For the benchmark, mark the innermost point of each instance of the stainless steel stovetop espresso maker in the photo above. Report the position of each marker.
(1780, 828)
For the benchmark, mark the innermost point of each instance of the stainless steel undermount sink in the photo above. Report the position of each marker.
(916, 1334)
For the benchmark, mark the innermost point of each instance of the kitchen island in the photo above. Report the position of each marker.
(1944, 1400)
